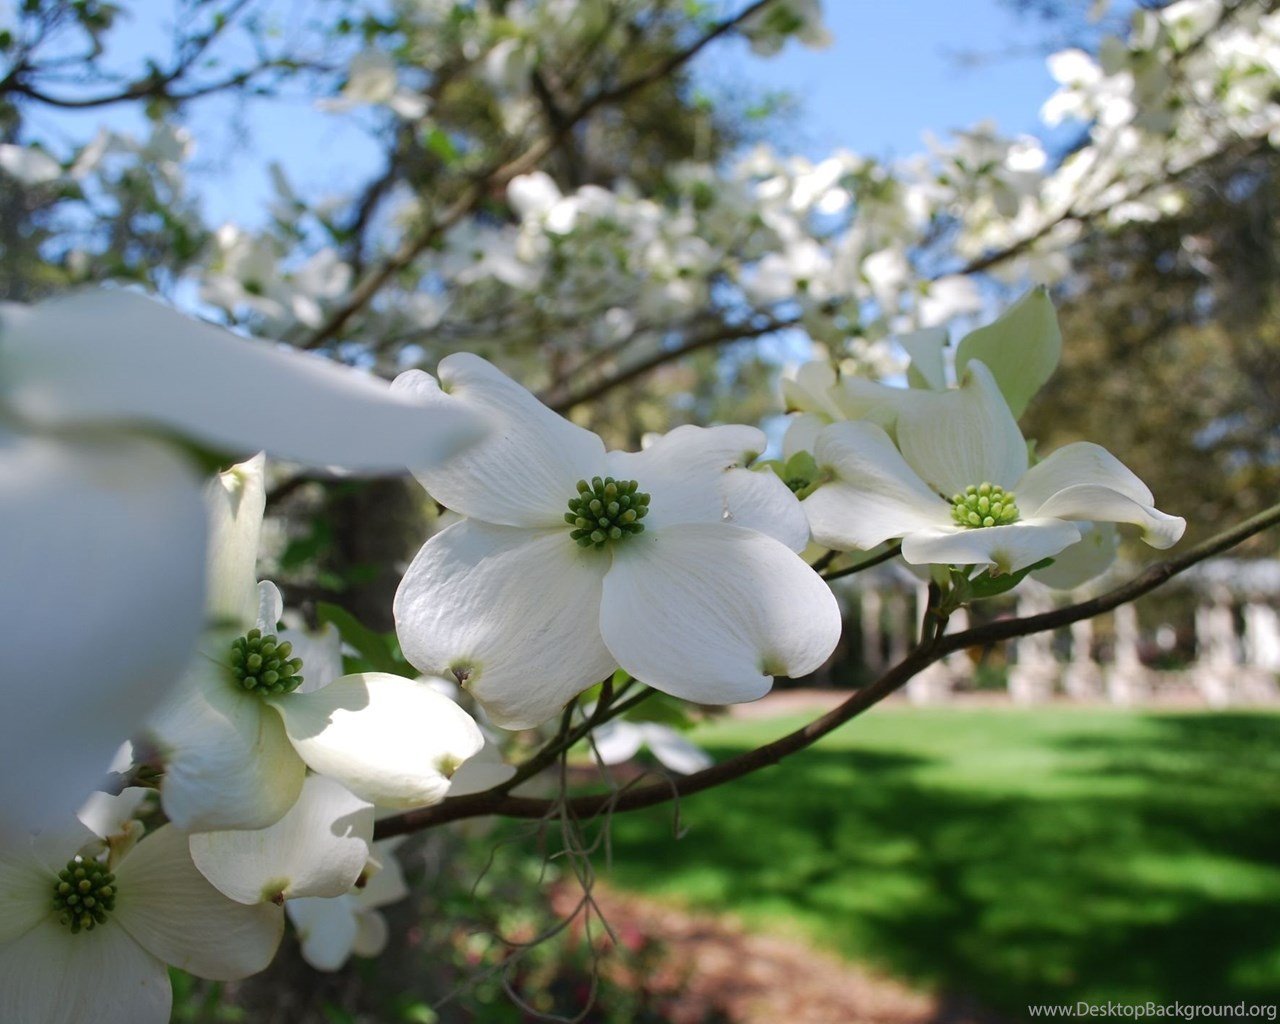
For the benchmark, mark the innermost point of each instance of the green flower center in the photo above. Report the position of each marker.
(84, 894)
(984, 505)
(606, 510)
(261, 664)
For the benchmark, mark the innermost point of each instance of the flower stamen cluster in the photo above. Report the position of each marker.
(606, 510)
(261, 664)
(84, 894)
(985, 504)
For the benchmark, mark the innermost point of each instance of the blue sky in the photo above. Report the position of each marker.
(892, 72)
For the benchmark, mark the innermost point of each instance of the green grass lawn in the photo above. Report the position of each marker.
(1009, 856)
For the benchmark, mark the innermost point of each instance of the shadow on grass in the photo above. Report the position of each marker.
(1126, 864)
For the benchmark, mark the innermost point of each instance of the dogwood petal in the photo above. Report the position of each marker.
(616, 741)
(759, 500)
(318, 848)
(391, 741)
(674, 751)
(101, 596)
(387, 884)
(802, 432)
(228, 762)
(875, 494)
(113, 356)
(1093, 503)
(25, 888)
(327, 929)
(1074, 464)
(1087, 558)
(684, 472)
(49, 976)
(175, 913)
(710, 612)
(321, 654)
(514, 614)
(236, 500)
(964, 436)
(527, 468)
(371, 934)
(482, 771)
(928, 367)
(1006, 548)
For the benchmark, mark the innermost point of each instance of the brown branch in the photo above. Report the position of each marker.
(866, 563)
(930, 650)
(725, 335)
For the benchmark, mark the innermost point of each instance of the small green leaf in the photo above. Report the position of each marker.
(375, 648)
(985, 586)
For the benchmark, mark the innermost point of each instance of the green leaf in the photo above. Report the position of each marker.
(375, 648)
(1021, 348)
(985, 586)
(439, 143)
(664, 710)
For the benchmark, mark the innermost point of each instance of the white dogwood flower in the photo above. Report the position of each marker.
(620, 740)
(85, 938)
(101, 394)
(958, 491)
(673, 562)
(318, 848)
(240, 729)
(330, 931)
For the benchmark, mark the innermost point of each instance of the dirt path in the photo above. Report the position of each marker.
(713, 969)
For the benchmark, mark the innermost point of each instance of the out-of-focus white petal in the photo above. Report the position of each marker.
(962, 437)
(684, 472)
(318, 848)
(228, 762)
(49, 976)
(802, 432)
(391, 741)
(1092, 503)
(926, 347)
(711, 613)
(387, 884)
(29, 165)
(101, 596)
(112, 356)
(236, 500)
(106, 814)
(674, 751)
(514, 613)
(1087, 558)
(327, 929)
(176, 914)
(1005, 548)
(875, 495)
(526, 469)
(371, 934)
(617, 741)
(321, 654)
